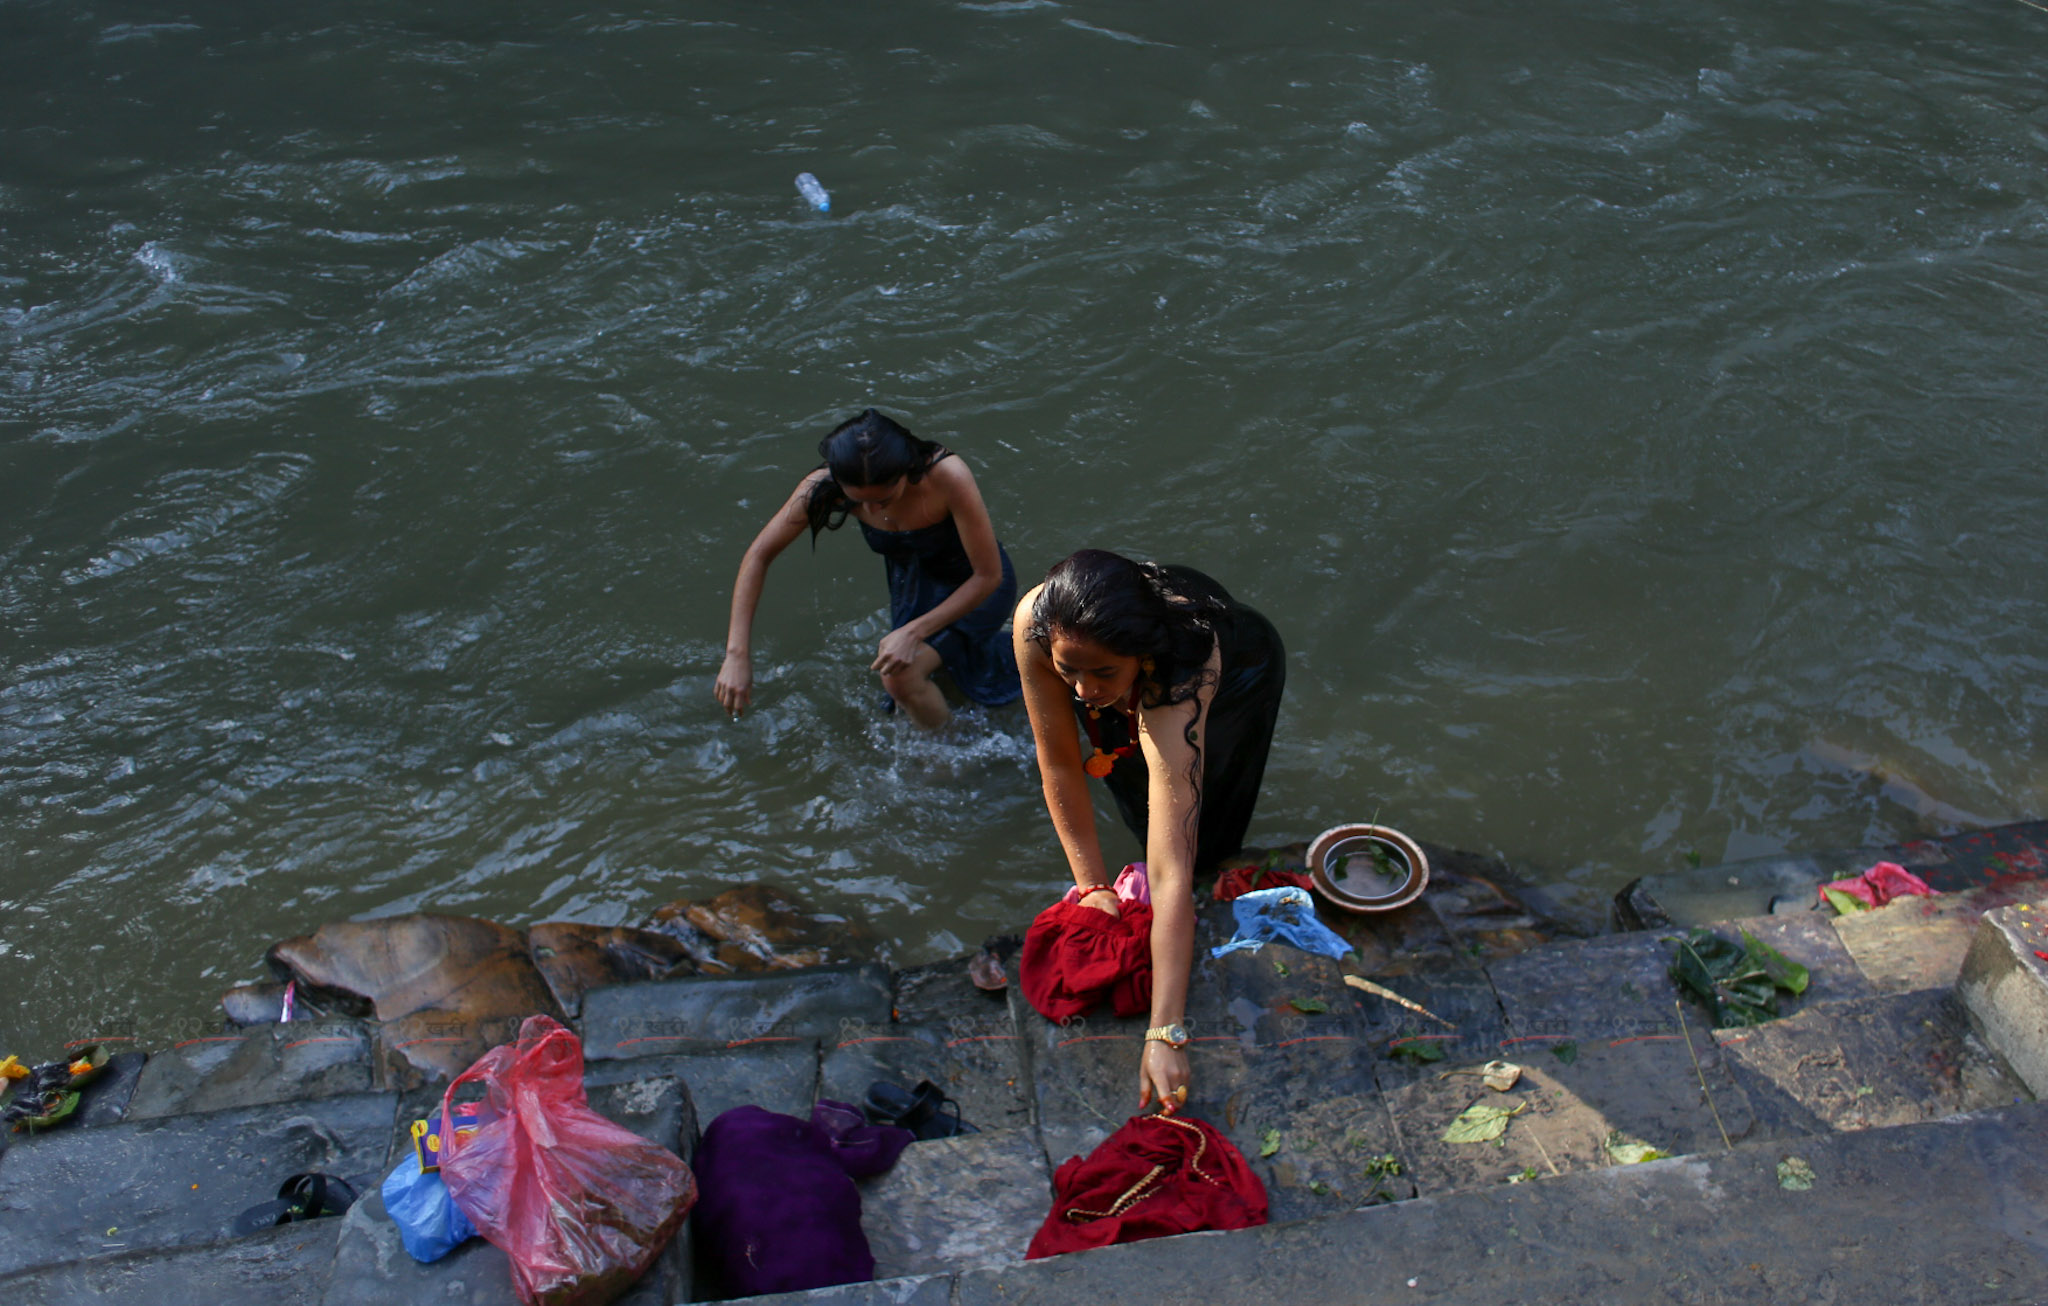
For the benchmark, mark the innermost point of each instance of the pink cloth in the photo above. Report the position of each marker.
(1880, 884)
(1131, 886)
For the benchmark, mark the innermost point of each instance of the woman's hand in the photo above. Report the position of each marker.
(897, 650)
(1104, 900)
(1162, 1077)
(734, 687)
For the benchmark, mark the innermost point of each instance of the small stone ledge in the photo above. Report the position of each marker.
(1706, 1230)
(2005, 987)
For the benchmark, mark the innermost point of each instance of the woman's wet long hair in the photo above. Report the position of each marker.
(1134, 609)
(871, 449)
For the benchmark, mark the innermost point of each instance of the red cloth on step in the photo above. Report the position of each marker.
(1157, 1175)
(1075, 957)
(1237, 881)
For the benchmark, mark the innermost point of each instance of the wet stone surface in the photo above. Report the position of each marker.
(177, 1181)
(645, 1019)
(957, 1203)
(1574, 1103)
(286, 1266)
(263, 1064)
(943, 994)
(911, 1290)
(1919, 943)
(1310, 1123)
(977, 1063)
(1611, 987)
(1277, 992)
(1887, 1060)
(172, 1074)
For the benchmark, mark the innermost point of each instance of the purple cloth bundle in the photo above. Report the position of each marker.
(777, 1210)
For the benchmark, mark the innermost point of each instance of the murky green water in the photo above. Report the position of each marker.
(1630, 414)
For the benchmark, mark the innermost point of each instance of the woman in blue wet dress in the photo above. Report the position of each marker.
(951, 585)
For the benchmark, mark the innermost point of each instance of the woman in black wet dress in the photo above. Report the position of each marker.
(950, 582)
(1155, 680)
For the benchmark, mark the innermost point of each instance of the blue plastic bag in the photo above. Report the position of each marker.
(1287, 915)
(429, 1222)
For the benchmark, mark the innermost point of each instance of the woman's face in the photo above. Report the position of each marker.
(876, 496)
(1097, 676)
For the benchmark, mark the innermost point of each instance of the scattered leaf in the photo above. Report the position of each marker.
(1844, 903)
(1481, 1122)
(1269, 1142)
(1418, 1050)
(1383, 1166)
(1630, 1151)
(1280, 969)
(1319, 1188)
(1864, 1090)
(1500, 1076)
(1794, 1173)
(1567, 1051)
(1309, 1006)
(1739, 982)
(1523, 1176)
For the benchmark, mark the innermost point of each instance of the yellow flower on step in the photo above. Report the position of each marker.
(13, 1069)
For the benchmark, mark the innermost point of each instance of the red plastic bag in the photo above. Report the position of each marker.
(581, 1206)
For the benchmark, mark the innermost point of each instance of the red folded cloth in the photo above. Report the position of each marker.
(1157, 1175)
(1238, 881)
(1075, 957)
(1879, 885)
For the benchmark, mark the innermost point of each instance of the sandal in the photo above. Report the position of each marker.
(301, 1197)
(923, 1110)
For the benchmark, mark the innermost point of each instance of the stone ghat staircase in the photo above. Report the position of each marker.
(1929, 1180)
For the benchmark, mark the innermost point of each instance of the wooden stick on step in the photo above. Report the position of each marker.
(1382, 991)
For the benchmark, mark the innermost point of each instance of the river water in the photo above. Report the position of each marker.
(1630, 414)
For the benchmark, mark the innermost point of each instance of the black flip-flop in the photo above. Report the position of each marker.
(302, 1197)
(925, 1111)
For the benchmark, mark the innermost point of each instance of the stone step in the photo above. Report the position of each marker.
(1933, 1213)
(2004, 985)
(2002, 855)
(1887, 1059)
(951, 1204)
(180, 1181)
(822, 1002)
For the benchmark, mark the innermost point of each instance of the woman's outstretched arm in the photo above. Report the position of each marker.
(1050, 706)
(1172, 737)
(734, 687)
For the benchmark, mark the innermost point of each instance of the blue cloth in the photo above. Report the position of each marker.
(1287, 915)
(429, 1222)
(925, 566)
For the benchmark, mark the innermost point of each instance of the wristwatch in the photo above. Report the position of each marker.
(1174, 1036)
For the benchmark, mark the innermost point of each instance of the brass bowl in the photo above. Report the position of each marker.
(1334, 865)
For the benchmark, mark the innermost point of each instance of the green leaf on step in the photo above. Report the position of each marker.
(1481, 1122)
(1269, 1142)
(1739, 982)
(1567, 1051)
(1280, 969)
(1417, 1050)
(1844, 903)
(1630, 1151)
(1309, 1006)
(1794, 1173)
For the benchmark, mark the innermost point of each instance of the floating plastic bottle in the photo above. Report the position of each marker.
(814, 192)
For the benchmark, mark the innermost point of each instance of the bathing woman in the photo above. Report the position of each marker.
(1154, 680)
(950, 582)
